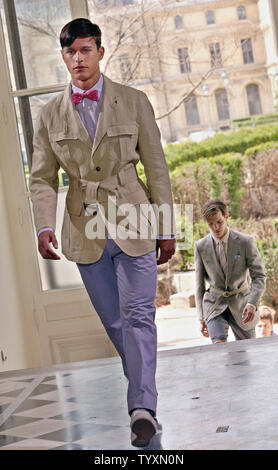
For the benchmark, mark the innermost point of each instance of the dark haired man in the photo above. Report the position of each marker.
(226, 261)
(97, 130)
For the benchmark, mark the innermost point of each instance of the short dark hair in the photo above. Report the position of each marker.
(79, 28)
(212, 206)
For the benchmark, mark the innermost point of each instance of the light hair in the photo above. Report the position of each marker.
(267, 313)
(212, 206)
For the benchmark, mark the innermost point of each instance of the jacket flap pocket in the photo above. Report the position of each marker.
(122, 129)
(57, 136)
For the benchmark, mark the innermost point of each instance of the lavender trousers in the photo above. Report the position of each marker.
(122, 290)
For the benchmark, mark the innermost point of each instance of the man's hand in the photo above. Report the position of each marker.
(204, 329)
(44, 239)
(167, 249)
(248, 313)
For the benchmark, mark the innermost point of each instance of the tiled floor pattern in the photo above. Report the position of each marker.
(210, 397)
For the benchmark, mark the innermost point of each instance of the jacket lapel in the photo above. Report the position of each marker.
(108, 111)
(233, 249)
(73, 125)
(214, 258)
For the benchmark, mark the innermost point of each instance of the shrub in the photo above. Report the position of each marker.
(255, 120)
(269, 253)
(232, 142)
(261, 147)
(220, 176)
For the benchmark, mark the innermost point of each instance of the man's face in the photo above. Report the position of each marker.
(218, 224)
(265, 327)
(82, 60)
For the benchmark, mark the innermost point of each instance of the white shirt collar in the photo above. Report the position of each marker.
(98, 86)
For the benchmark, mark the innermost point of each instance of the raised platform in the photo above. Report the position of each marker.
(221, 396)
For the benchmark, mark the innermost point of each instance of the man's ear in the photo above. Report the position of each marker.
(101, 52)
(227, 216)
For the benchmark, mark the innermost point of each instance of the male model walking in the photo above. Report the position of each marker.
(229, 276)
(97, 130)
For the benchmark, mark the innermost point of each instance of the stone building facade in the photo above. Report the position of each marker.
(206, 61)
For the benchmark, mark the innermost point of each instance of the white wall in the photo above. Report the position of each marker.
(19, 339)
(11, 314)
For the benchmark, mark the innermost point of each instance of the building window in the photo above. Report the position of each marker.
(31, 35)
(222, 104)
(191, 111)
(210, 17)
(185, 66)
(247, 51)
(254, 100)
(178, 22)
(241, 13)
(215, 54)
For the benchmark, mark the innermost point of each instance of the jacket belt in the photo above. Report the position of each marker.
(224, 294)
(93, 193)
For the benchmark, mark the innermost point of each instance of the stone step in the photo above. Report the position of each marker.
(183, 299)
(185, 281)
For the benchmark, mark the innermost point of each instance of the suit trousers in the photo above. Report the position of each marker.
(122, 289)
(218, 327)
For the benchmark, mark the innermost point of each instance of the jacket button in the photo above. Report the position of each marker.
(98, 168)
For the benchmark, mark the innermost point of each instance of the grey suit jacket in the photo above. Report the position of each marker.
(244, 263)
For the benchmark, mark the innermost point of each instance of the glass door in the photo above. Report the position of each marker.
(55, 305)
(37, 72)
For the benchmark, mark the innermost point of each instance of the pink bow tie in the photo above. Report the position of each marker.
(91, 95)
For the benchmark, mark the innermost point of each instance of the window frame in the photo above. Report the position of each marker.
(210, 17)
(226, 106)
(184, 60)
(241, 10)
(247, 51)
(22, 91)
(19, 91)
(178, 21)
(250, 101)
(192, 111)
(215, 56)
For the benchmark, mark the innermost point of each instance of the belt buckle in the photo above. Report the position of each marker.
(91, 209)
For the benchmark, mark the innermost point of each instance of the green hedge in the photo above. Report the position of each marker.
(256, 120)
(237, 142)
(230, 177)
(261, 147)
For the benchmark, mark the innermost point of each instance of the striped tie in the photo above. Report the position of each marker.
(222, 256)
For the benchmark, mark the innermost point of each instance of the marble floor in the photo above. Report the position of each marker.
(221, 396)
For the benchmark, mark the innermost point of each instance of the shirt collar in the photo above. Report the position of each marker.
(224, 239)
(98, 86)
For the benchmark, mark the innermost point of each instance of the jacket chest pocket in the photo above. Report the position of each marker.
(67, 147)
(120, 141)
(239, 264)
